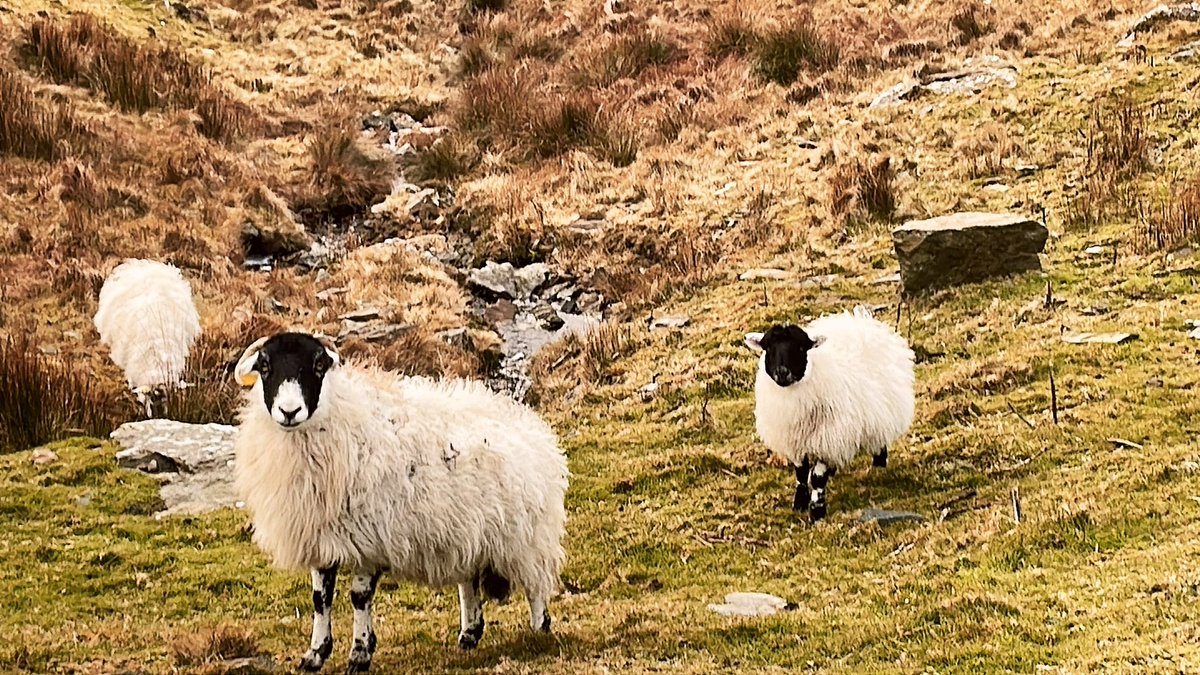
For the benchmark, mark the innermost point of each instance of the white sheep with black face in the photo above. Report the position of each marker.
(433, 482)
(147, 319)
(841, 385)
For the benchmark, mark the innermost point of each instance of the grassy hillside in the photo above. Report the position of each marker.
(642, 118)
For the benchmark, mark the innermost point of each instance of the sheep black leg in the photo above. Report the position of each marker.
(800, 501)
(881, 458)
(362, 592)
(471, 610)
(820, 480)
(323, 583)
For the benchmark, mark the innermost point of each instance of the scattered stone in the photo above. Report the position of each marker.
(505, 280)
(885, 517)
(750, 604)
(1026, 170)
(458, 337)
(201, 453)
(1122, 443)
(648, 390)
(765, 273)
(43, 456)
(83, 500)
(409, 201)
(818, 281)
(966, 248)
(968, 81)
(547, 316)
(669, 321)
(271, 235)
(1094, 310)
(361, 315)
(1161, 14)
(500, 311)
(373, 331)
(893, 278)
(328, 293)
(49, 350)
(72, 335)
(1186, 53)
(1098, 338)
(589, 227)
(590, 302)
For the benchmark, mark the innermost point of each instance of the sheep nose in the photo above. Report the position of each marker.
(289, 415)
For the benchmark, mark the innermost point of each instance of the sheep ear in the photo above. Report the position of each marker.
(330, 348)
(817, 341)
(754, 342)
(244, 373)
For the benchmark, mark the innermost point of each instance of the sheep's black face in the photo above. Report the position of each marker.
(786, 353)
(291, 369)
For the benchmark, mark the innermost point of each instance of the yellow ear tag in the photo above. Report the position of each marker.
(249, 379)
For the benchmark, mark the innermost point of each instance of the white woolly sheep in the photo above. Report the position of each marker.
(435, 482)
(841, 385)
(147, 319)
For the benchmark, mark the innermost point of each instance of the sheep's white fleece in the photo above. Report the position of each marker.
(433, 480)
(856, 395)
(147, 319)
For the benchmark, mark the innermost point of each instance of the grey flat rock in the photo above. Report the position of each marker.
(967, 247)
(749, 604)
(195, 462)
(885, 517)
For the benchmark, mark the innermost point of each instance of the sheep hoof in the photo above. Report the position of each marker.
(880, 460)
(467, 641)
(545, 627)
(312, 662)
(816, 512)
(800, 501)
(357, 667)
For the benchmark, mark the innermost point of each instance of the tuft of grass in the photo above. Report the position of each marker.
(447, 158)
(1117, 146)
(43, 399)
(344, 175)
(863, 190)
(1173, 223)
(214, 643)
(985, 153)
(972, 22)
(785, 52)
(731, 34)
(580, 362)
(628, 56)
(30, 128)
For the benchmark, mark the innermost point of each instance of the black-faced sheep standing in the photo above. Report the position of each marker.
(841, 385)
(147, 319)
(433, 482)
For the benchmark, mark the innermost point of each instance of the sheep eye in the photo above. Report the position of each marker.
(321, 365)
(263, 367)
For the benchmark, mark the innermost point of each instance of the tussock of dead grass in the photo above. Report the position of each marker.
(862, 189)
(783, 53)
(1173, 222)
(215, 643)
(1117, 145)
(32, 128)
(345, 175)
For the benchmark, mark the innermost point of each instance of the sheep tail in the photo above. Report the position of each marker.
(494, 586)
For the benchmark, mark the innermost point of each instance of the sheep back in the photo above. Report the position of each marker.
(148, 321)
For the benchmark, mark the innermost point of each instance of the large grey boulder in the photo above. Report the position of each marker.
(965, 248)
(194, 461)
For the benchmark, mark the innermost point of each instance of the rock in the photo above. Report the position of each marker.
(1098, 338)
(884, 517)
(886, 279)
(43, 456)
(547, 317)
(408, 201)
(1189, 11)
(501, 311)
(765, 273)
(750, 604)
(819, 281)
(270, 228)
(49, 350)
(1187, 52)
(678, 321)
(966, 248)
(328, 293)
(373, 331)
(967, 81)
(457, 337)
(503, 279)
(588, 227)
(201, 453)
(589, 302)
(361, 315)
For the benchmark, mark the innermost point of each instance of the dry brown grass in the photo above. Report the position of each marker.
(731, 33)
(345, 175)
(862, 189)
(214, 643)
(567, 369)
(1118, 149)
(32, 128)
(44, 399)
(987, 153)
(973, 22)
(1173, 223)
(627, 56)
(783, 53)
(134, 76)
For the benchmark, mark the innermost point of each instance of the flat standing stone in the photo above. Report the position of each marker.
(966, 248)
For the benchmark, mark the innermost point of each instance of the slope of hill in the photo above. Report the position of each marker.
(649, 153)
